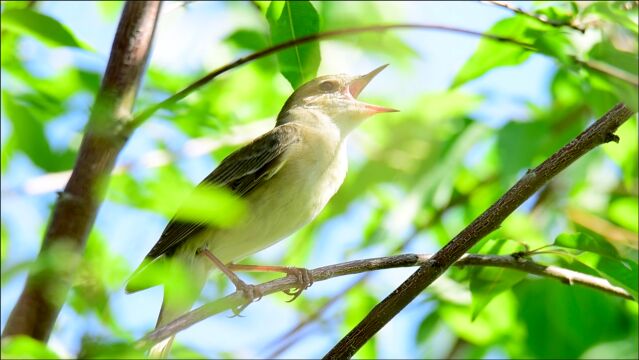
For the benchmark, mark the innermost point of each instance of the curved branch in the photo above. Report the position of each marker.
(75, 209)
(389, 262)
(148, 112)
(600, 132)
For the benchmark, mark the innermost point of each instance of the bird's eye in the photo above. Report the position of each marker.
(328, 85)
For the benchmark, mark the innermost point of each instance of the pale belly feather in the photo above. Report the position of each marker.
(292, 198)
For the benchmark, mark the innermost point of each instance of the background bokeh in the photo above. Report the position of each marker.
(416, 177)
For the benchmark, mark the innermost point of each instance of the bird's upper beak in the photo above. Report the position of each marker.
(358, 84)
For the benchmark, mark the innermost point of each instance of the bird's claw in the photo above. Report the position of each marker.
(251, 293)
(304, 281)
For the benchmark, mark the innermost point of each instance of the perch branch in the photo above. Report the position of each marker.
(367, 265)
(600, 132)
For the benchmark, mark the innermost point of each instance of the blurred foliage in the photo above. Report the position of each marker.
(420, 175)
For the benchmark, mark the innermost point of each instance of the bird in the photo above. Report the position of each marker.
(285, 176)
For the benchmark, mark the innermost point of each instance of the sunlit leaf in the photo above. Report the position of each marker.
(556, 44)
(581, 241)
(612, 11)
(624, 273)
(427, 327)
(102, 348)
(4, 242)
(292, 20)
(497, 321)
(30, 136)
(625, 211)
(24, 347)
(488, 282)
(44, 28)
(491, 54)
(518, 143)
(551, 310)
(558, 11)
(247, 39)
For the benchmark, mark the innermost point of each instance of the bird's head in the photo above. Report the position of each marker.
(335, 96)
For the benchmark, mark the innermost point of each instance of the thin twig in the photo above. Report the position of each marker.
(602, 131)
(148, 112)
(380, 263)
(539, 17)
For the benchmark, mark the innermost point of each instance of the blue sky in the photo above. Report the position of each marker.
(196, 31)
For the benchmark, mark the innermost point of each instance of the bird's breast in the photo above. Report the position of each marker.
(295, 195)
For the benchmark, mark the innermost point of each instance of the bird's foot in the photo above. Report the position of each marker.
(303, 276)
(304, 281)
(250, 292)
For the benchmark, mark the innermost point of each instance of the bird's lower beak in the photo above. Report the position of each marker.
(358, 84)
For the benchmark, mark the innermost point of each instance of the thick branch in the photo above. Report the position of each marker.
(600, 132)
(359, 266)
(76, 207)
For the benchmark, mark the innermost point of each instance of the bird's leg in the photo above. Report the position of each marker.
(250, 291)
(303, 276)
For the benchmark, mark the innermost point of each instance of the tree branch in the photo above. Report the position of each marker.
(149, 111)
(600, 132)
(359, 266)
(76, 207)
(456, 200)
(541, 18)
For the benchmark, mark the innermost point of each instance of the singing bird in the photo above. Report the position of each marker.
(285, 176)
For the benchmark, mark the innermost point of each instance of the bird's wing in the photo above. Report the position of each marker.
(241, 172)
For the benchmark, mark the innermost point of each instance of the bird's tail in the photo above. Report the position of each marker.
(179, 297)
(167, 314)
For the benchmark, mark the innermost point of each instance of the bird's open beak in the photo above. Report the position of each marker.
(358, 84)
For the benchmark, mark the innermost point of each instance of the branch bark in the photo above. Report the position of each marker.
(76, 207)
(602, 131)
(359, 266)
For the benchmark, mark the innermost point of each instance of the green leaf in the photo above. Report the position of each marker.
(549, 310)
(24, 347)
(30, 136)
(559, 11)
(169, 191)
(104, 348)
(488, 282)
(625, 211)
(247, 39)
(293, 20)
(212, 205)
(554, 43)
(491, 54)
(42, 27)
(427, 327)
(581, 241)
(625, 274)
(613, 13)
(4, 243)
(518, 143)
(619, 61)
(497, 321)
